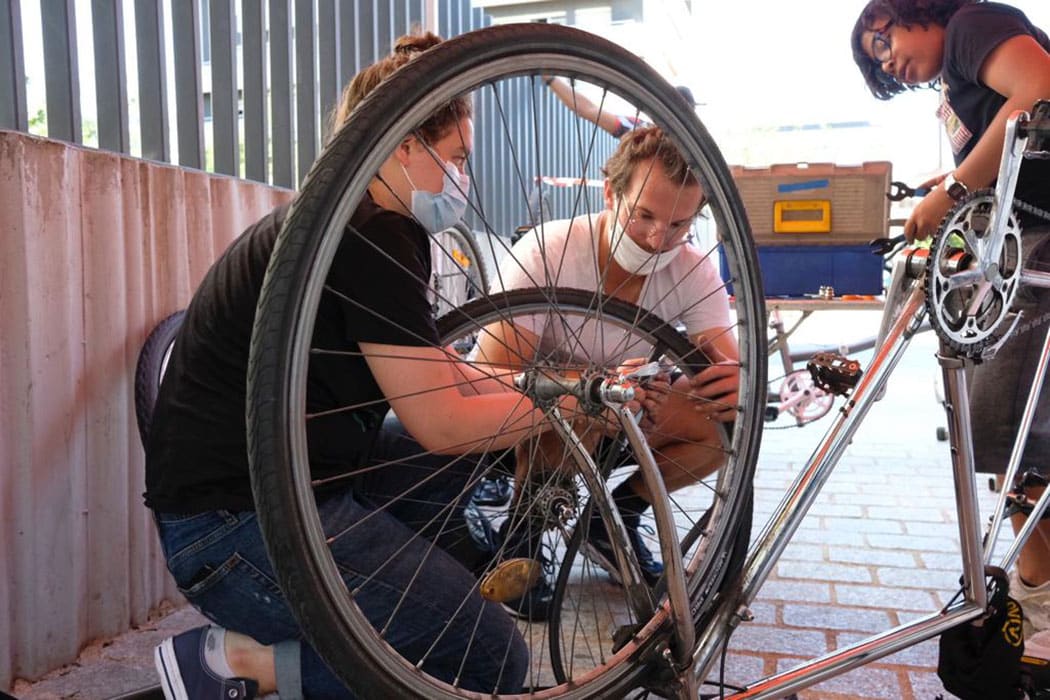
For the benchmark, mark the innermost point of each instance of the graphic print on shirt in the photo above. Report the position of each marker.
(958, 134)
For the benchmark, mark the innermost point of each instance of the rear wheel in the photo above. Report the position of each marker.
(591, 616)
(460, 271)
(149, 369)
(505, 66)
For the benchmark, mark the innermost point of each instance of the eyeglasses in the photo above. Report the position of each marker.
(644, 225)
(881, 46)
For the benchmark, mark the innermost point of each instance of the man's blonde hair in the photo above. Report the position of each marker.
(642, 144)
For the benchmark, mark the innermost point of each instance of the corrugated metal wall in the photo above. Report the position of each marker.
(97, 248)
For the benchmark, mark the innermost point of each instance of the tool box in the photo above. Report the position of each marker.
(812, 223)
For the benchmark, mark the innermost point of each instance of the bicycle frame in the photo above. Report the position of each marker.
(906, 294)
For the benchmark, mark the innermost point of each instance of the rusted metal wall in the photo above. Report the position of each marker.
(95, 249)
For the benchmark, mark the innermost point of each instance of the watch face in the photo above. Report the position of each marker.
(956, 191)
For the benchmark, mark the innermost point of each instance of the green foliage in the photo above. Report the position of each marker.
(38, 123)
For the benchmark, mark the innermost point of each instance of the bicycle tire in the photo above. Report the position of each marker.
(149, 369)
(468, 262)
(671, 346)
(294, 283)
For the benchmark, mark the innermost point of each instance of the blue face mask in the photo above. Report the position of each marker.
(438, 211)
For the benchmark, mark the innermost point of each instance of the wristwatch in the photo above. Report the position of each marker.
(955, 188)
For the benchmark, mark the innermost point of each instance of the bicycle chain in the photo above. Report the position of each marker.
(1032, 209)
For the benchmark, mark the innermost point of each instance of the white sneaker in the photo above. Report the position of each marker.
(1035, 602)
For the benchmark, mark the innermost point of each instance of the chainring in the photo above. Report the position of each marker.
(966, 307)
(807, 401)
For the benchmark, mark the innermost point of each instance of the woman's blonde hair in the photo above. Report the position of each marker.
(405, 49)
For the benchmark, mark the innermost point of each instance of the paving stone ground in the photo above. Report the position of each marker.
(877, 548)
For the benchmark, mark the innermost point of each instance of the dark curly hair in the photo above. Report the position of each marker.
(903, 13)
(406, 48)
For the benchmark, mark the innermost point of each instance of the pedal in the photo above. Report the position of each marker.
(510, 579)
(834, 373)
(1038, 130)
(1017, 500)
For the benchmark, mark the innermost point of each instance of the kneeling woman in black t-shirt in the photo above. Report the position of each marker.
(197, 478)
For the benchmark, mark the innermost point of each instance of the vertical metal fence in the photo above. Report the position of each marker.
(252, 82)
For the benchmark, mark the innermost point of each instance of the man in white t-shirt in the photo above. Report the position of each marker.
(636, 249)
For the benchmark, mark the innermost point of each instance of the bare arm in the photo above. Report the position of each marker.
(582, 106)
(1019, 70)
(715, 389)
(475, 379)
(423, 389)
(505, 346)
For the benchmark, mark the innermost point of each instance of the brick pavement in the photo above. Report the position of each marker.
(876, 549)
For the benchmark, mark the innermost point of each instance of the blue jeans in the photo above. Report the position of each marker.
(404, 584)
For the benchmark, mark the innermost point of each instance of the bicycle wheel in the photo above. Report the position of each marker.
(460, 271)
(504, 65)
(149, 369)
(588, 616)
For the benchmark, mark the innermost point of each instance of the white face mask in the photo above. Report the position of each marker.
(437, 211)
(632, 257)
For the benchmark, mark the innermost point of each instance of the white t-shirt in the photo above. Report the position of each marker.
(687, 292)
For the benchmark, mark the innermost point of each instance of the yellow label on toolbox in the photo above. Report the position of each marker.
(802, 216)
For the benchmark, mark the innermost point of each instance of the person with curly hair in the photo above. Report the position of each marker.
(987, 60)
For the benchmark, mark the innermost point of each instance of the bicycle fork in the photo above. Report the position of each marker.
(613, 393)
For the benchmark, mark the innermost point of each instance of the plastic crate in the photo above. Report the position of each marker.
(795, 271)
(816, 203)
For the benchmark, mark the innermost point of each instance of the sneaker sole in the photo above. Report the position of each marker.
(510, 579)
(524, 614)
(168, 670)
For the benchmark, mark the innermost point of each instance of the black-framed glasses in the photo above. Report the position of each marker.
(881, 45)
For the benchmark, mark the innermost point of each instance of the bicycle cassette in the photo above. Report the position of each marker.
(967, 305)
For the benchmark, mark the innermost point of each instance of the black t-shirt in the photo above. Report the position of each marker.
(970, 37)
(196, 456)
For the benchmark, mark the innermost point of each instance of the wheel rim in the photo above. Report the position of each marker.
(287, 364)
(593, 609)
